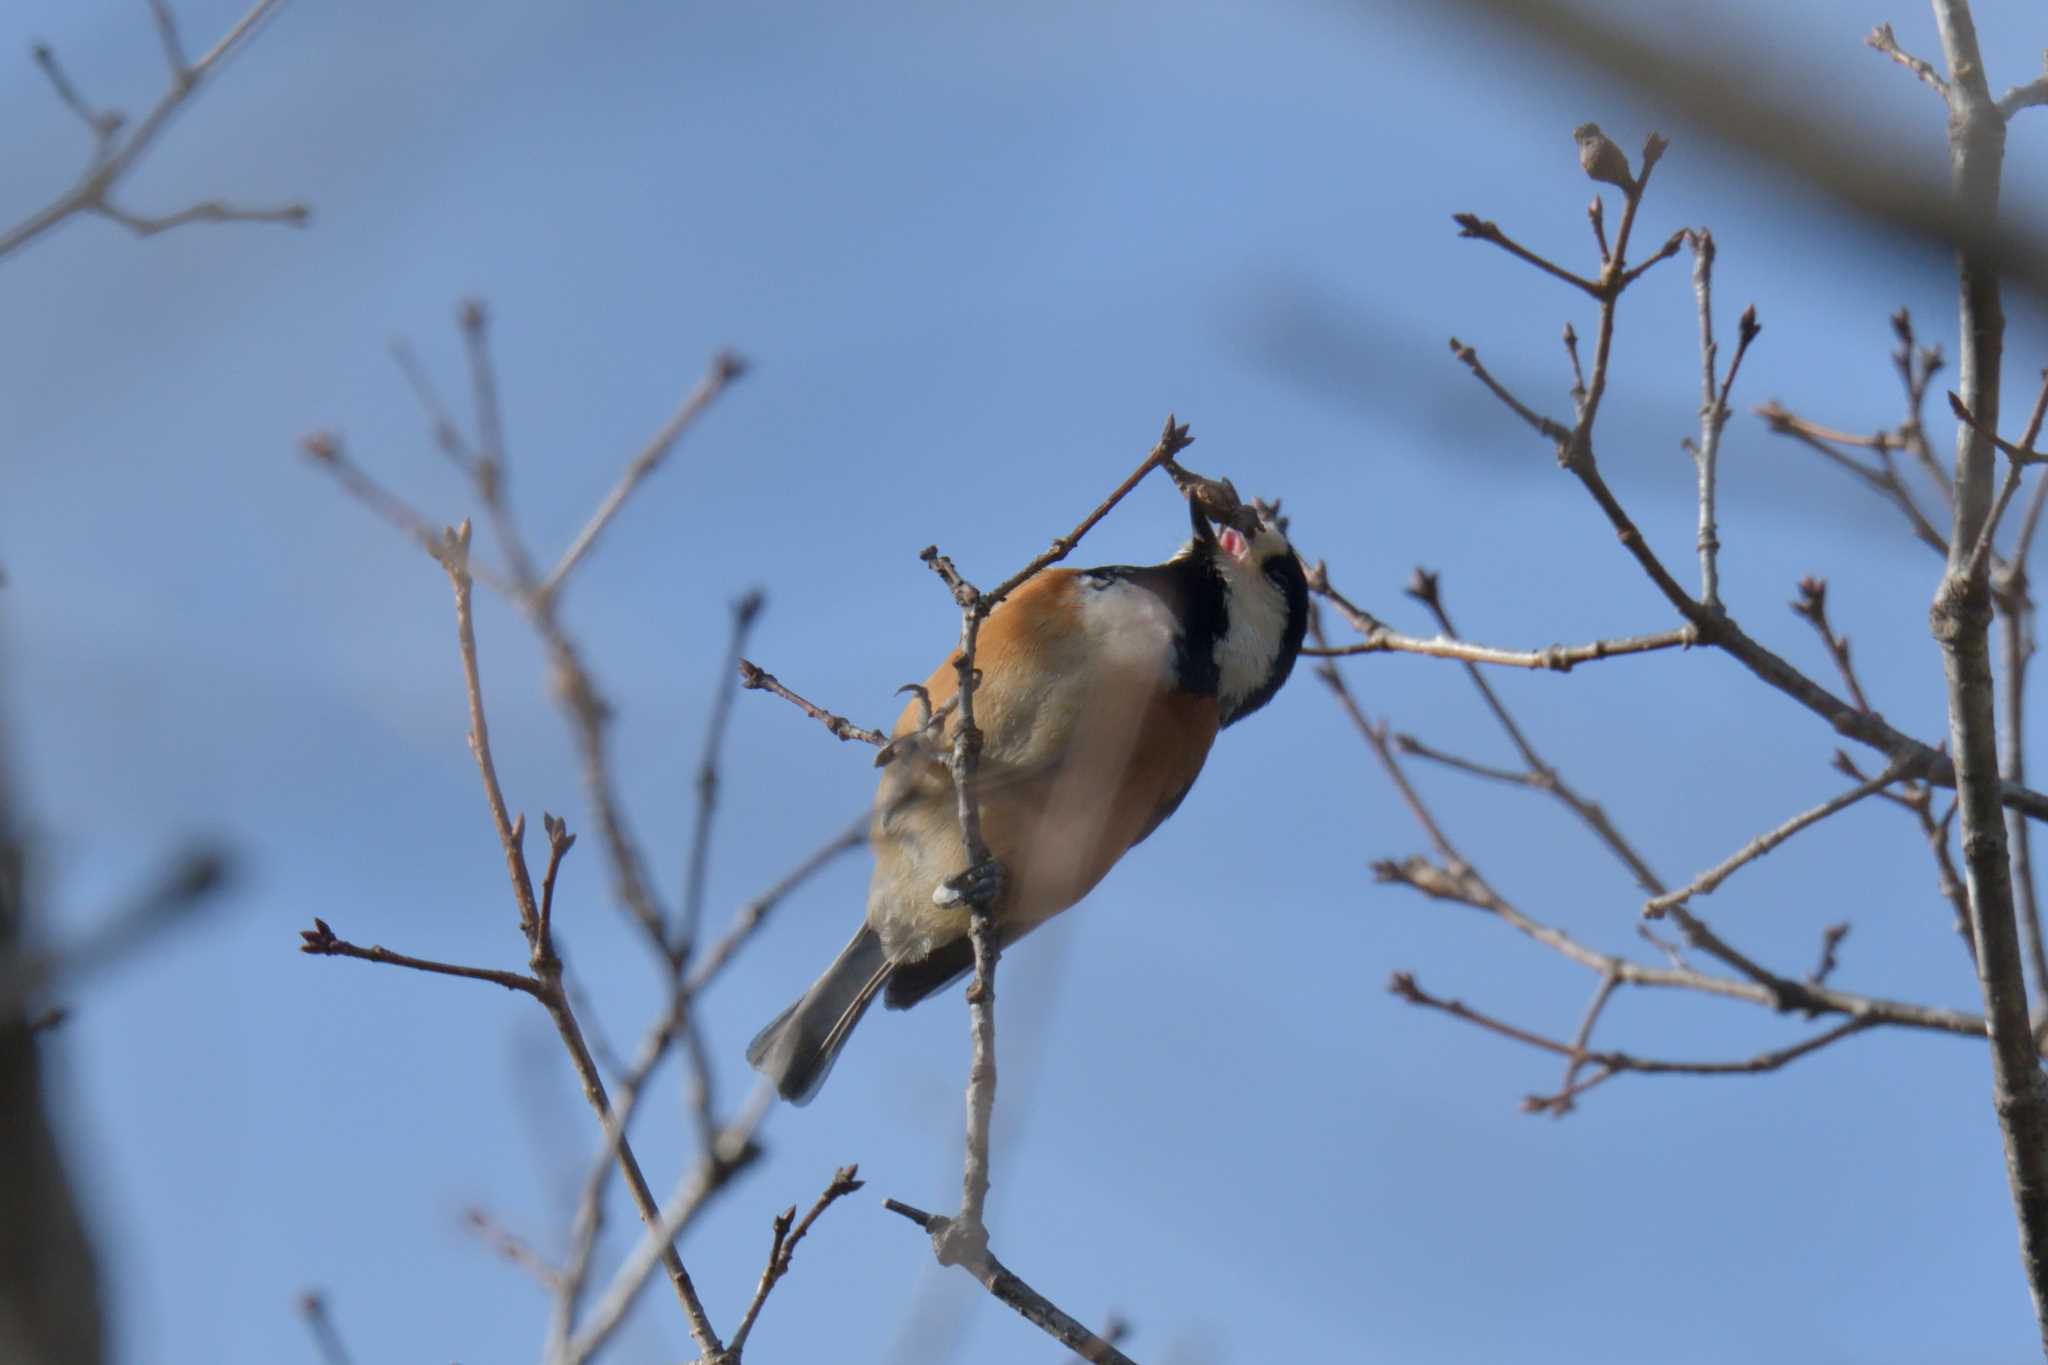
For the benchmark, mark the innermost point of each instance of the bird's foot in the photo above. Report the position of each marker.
(977, 888)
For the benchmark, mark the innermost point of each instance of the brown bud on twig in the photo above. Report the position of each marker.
(1812, 603)
(1749, 325)
(1422, 586)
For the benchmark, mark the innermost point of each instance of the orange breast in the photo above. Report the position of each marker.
(1081, 759)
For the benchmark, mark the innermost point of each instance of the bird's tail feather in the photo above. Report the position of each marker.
(798, 1047)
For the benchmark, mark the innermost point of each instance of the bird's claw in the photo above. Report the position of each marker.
(978, 887)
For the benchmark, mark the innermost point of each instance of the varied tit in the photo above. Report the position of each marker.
(1101, 691)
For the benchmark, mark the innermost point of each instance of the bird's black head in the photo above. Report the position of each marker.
(1263, 606)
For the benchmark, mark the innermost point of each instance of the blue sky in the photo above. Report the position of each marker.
(976, 256)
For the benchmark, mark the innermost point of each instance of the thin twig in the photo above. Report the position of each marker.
(114, 155)
(560, 841)
(1713, 409)
(711, 1172)
(103, 123)
(1427, 588)
(1881, 38)
(167, 34)
(510, 1246)
(1403, 984)
(1602, 993)
(454, 556)
(1917, 365)
(754, 678)
(2015, 605)
(1554, 658)
(1473, 226)
(320, 1324)
(2018, 458)
(1544, 426)
(547, 966)
(750, 916)
(745, 612)
(726, 366)
(784, 1247)
(1036, 1309)
(1770, 839)
(448, 436)
(1811, 606)
(320, 941)
(1409, 744)
(1884, 479)
(1172, 440)
(1830, 939)
(326, 450)
(1919, 799)
(1115, 1328)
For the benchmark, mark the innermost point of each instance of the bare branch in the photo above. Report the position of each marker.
(784, 1247)
(447, 436)
(1555, 658)
(1404, 985)
(326, 450)
(1602, 993)
(509, 1245)
(754, 678)
(115, 155)
(1960, 620)
(102, 123)
(2015, 606)
(1472, 225)
(1173, 439)
(454, 557)
(2026, 96)
(726, 366)
(963, 1239)
(1427, 588)
(1881, 38)
(167, 34)
(320, 941)
(320, 1323)
(1036, 1309)
(744, 613)
(560, 841)
(711, 1172)
(1775, 128)
(1830, 939)
(1544, 426)
(751, 915)
(1713, 409)
(1884, 479)
(1409, 744)
(1770, 839)
(207, 211)
(1811, 606)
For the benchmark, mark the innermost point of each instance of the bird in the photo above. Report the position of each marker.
(1601, 159)
(1100, 693)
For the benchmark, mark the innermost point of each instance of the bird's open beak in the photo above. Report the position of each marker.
(1214, 500)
